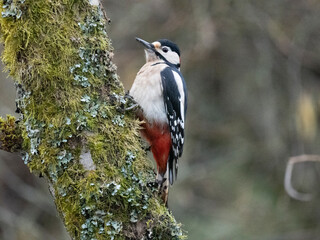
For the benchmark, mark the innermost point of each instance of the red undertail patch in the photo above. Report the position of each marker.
(159, 138)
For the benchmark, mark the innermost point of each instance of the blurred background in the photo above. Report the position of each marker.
(253, 73)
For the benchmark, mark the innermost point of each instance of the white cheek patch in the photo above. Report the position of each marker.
(171, 57)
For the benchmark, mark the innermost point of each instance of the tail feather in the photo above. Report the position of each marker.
(168, 177)
(172, 167)
(170, 170)
(176, 168)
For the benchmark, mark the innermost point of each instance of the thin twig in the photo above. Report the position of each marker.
(288, 176)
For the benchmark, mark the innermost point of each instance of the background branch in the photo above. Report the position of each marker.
(288, 176)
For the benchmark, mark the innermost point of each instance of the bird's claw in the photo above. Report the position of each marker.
(147, 149)
(160, 184)
(130, 99)
(131, 107)
(128, 96)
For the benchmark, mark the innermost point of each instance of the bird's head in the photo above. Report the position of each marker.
(162, 49)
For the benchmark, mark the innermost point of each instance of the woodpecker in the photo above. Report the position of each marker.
(160, 90)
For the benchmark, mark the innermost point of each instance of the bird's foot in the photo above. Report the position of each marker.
(147, 148)
(128, 96)
(132, 103)
(163, 190)
(160, 182)
(132, 107)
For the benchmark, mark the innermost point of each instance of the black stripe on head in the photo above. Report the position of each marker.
(174, 47)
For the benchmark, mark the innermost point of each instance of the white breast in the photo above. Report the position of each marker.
(147, 92)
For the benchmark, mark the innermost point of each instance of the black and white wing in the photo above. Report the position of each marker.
(175, 101)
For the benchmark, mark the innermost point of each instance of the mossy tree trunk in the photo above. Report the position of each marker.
(73, 127)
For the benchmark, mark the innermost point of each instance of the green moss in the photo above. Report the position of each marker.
(10, 135)
(72, 102)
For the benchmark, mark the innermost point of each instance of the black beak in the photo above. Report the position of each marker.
(146, 44)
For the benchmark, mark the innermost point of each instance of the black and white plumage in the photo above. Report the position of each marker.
(160, 90)
(175, 101)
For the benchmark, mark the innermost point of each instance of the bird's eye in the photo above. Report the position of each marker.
(164, 49)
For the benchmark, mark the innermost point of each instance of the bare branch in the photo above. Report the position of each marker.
(309, 60)
(288, 176)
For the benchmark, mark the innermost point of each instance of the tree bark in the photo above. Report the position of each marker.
(74, 128)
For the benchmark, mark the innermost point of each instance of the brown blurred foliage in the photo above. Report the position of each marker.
(253, 73)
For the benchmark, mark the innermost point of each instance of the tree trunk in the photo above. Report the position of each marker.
(74, 128)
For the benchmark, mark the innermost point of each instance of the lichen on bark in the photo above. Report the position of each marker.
(72, 107)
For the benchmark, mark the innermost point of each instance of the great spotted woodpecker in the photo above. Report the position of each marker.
(160, 90)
